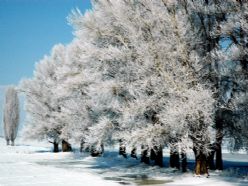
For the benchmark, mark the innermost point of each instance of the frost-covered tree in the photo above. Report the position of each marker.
(57, 100)
(227, 33)
(75, 77)
(233, 54)
(209, 17)
(41, 104)
(11, 114)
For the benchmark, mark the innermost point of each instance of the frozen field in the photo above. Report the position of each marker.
(33, 164)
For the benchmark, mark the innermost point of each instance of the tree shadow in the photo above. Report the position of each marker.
(112, 166)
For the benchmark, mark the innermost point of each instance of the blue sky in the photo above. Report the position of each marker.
(28, 30)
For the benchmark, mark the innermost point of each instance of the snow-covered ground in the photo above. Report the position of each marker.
(32, 163)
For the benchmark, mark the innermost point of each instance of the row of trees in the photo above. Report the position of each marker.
(148, 74)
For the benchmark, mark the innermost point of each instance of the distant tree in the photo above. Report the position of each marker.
(11, 115)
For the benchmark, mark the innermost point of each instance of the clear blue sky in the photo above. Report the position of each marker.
(28, 30)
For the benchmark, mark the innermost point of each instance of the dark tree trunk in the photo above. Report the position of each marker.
(153, 154)
(96, 152)
(134, 153)
(219, 162)
(211, 158)
(102, 148)
(219, 136)
(144, 155)
(122, 149)
(174, 159)
(66, 147)
(218, 158)
(184, 161)
(55, 147)
(82, 146)
(158, 158)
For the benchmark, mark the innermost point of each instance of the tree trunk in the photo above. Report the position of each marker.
(82, 146)
(211, 158)
(201, 164)
(219, 135)
(66, 147)
(122, 149)
(55, 147)
(158, 156)
(174, 159)
(96, 152)
(134, 153)
(184, 161)
(219, 161)
(144, 155)
(102, 148)
(153, 154)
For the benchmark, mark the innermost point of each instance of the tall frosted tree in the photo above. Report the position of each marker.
(233, 54)
(75, 77)
(42, 106)
(57, 103)
(11, 115)
(229, 71)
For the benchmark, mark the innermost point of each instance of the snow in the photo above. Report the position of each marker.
(33, 163)
(19, 166)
